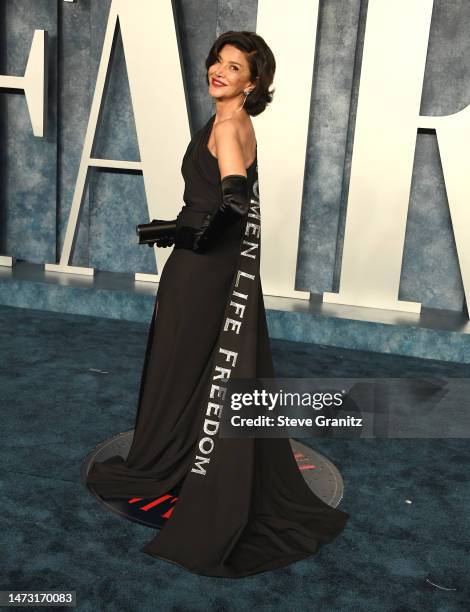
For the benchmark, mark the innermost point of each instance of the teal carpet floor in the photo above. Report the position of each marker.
(68, 382)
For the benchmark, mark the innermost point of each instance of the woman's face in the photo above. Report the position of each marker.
(232, 71)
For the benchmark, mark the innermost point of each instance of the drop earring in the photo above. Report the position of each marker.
(246, 93)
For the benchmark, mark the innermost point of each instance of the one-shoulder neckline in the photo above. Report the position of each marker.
(216, 159)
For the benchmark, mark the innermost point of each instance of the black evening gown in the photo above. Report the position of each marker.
(243, 505)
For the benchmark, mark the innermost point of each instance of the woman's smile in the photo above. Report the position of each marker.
(217, 83)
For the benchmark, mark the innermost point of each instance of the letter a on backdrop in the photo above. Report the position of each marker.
(158, 101)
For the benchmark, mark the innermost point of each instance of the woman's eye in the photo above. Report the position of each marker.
(218, 60)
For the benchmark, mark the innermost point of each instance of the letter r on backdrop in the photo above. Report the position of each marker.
(393, 64)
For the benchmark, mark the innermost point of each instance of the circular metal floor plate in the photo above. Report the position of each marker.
(319, 473)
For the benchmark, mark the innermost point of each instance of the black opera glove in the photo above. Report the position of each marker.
(159, 232)
(235, 204)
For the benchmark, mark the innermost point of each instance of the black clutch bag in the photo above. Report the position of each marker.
(179, 231)
(157, 229)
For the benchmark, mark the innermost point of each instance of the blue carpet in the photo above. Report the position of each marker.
(67, 382)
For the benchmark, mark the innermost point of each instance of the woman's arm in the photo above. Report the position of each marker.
(229, 149)
(235, 201)
(234, 205)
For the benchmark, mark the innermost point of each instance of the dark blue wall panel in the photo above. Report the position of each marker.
(38, 175)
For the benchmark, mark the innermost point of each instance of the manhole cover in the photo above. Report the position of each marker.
(320, 474)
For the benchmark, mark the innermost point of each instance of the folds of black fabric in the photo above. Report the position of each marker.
(251, 510)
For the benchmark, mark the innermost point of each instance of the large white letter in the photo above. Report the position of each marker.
(159, 105)
(34, 84)
(282, 133)
(395, 46)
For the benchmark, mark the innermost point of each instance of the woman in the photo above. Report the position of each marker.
(243, 505)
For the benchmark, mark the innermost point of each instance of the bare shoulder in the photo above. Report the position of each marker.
(235, 144)
(227, 130)
(235, 127)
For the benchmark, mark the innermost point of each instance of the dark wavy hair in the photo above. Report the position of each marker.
(260, 60)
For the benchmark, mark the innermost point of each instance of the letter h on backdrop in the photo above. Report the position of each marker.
(394, 56)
